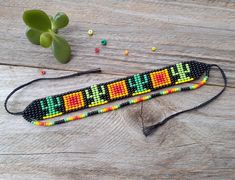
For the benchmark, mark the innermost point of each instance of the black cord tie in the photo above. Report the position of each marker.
(39, 111)
(41, 79)
(151, 129)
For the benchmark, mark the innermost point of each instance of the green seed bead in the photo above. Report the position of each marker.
(104, 42)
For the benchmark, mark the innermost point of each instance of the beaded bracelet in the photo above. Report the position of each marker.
(99, 94)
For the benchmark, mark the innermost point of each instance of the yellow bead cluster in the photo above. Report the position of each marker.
(184, 81)
(53, 115)
(98, 103)
(142, 92)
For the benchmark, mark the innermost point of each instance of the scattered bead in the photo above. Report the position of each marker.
(104, 42)
(154, 49)
(97, 50)
(90, 32)
(126, 52)
(42, 72)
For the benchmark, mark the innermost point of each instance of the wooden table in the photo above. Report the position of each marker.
(196, 145)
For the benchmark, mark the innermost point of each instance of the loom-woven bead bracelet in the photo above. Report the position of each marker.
(99, 94)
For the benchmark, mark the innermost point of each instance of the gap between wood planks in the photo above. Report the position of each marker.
(30, 154)
(183, 25)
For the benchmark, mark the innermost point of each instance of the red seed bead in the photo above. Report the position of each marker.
(42, 72)
(97, 50)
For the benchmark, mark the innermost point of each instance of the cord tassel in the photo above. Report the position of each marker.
(99, 94)
(151, 129)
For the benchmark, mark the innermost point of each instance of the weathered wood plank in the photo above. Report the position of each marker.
(181, 30)
(198, 145)
(195, 145)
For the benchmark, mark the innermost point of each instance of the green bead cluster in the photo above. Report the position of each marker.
(181, 73)
(138, 83)
(51, 105)
(96, 95)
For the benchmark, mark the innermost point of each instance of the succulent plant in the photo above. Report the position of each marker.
(42, 30)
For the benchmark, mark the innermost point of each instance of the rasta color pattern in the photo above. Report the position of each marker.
(103, 93)
(115, 107)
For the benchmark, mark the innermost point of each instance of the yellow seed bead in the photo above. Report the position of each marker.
(154, 49)
(126, 52)
(90, 32)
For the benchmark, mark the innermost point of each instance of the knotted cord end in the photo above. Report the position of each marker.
(148, 131)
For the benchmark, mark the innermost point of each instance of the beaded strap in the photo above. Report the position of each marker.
(118, 106)
(99, 94)
(103, 93)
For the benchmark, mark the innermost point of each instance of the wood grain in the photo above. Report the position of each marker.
(196, 145)
(180, 31)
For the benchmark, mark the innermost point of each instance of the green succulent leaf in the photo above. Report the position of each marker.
(60, 20)
(43, 31)
(37, 19)
(61, 49)
(33, 36)
(50, 17)
(45, 39)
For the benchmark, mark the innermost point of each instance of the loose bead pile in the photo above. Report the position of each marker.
(104, 42)
(104, 93)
